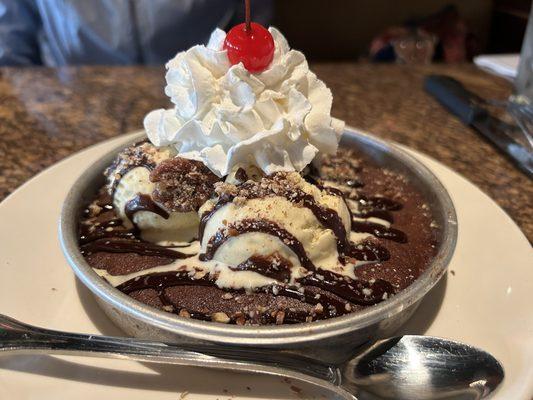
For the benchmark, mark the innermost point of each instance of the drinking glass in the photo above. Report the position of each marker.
(524, 79)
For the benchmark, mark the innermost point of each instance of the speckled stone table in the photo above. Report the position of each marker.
(47, 114)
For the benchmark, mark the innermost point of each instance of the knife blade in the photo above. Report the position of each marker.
(469, 108)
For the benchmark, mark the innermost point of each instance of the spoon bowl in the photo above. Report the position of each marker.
(403, 367)
(423, 367)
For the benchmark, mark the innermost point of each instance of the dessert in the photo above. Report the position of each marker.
(240, 208)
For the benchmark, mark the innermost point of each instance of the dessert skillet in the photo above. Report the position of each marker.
(238, 207)
(246, 162)
(320, 337)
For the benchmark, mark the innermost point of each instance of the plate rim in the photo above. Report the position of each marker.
(448, 176)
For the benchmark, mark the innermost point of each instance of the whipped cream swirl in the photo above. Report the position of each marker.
(277, 120)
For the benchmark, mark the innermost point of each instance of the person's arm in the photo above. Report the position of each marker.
(19, 23)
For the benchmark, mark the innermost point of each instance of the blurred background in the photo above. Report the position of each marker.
(119, 32)
(346, 29)
(405, 70)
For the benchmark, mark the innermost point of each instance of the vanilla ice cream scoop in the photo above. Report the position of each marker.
(281, 217)
(132, 190)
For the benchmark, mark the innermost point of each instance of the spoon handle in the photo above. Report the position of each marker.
(19, 337)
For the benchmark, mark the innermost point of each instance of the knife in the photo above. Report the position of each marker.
(469, 108)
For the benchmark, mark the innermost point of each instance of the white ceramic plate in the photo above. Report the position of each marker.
(485, 300)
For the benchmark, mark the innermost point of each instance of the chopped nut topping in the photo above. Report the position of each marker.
(226, 188)
(340, 166)
(182, 185)
(94, 210)
(137, 155)
(220, 317)
(280, 316)
(277, 184)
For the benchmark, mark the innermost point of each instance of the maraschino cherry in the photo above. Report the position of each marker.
(250, 43)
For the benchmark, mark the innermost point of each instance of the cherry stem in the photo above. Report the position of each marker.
(247, 15)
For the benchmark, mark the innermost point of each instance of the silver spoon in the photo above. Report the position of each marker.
(404, 367)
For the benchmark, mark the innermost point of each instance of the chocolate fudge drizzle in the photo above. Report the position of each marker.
(105, 223)
(273, 266)
(378, 207)
(106, 232)
(257, 225)
(206, 216)
(345, 291)
(379, 231)
(142, 161)
(350, 289)
(143, 202)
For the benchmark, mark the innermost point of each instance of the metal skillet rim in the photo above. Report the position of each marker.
(268, 335)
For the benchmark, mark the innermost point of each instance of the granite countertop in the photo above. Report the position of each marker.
(47, 114)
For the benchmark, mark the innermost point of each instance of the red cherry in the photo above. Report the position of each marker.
(253, 47)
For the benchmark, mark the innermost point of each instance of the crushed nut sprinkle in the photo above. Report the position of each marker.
(341, 166)
(182, 185)
(283, 184)
(280, 316)
(220, 317)
(140, 154)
